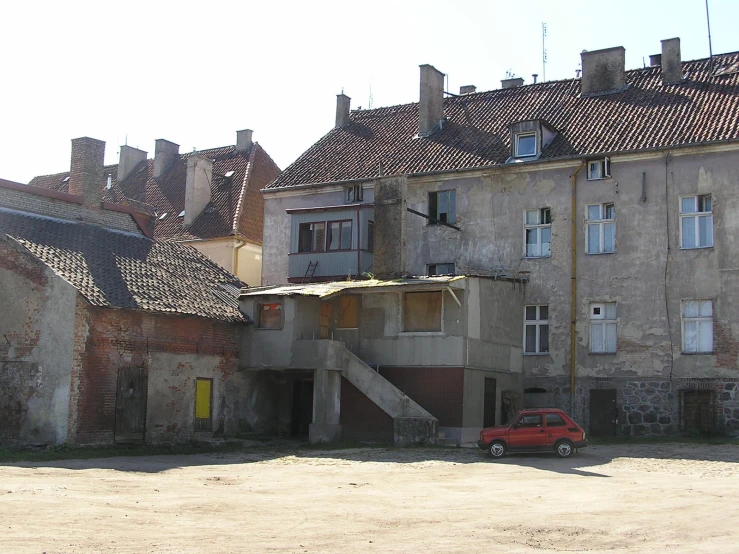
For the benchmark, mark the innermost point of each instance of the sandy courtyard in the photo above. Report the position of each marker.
(664, 498)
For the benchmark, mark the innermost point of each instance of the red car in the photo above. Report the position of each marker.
(535, 430)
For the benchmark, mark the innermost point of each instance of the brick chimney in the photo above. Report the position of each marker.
(166, 153)
(511, 83)
(431, 105)
(243, 140)
(672, 67)
(86, 170)
(129, 158)
(343, 103)
(197, 186)
(603, 71)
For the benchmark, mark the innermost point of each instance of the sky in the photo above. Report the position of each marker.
(196, 72)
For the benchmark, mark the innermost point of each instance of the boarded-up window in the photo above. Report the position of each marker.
(422, 311)
(348, 312)
(270, 316)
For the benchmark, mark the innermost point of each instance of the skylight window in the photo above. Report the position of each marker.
(163, 216)
(181, 214)
(65, 179)
(229, 174)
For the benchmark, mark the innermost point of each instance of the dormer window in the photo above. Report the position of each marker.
(353, 194)
(525, 145)
(599, 169)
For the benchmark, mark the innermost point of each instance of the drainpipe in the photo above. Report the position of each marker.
(573, 285)
(359, 244)
(239, 245)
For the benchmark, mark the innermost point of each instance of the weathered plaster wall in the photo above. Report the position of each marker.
(276, 245)
(174, 351)
(36, 324)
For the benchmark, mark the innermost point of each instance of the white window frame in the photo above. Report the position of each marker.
(538, 323)
(601, 224)
(518, 138)
(599, 169)
(599, 320)
(353, 194)
(537, 227)
(703, 322)
(696, 224)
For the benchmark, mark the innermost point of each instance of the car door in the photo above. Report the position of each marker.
(556, 428)
(527, 433)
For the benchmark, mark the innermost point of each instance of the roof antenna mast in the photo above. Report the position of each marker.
(710, 47)
(544, 52)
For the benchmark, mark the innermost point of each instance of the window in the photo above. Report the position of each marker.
(312, 237)
(353, 194)
(530, 420)
(441, 269)
(536, 329)
(339, 235)
(599, 169)
(603, 328)
(555, 420)
(538, 230)
(443, 206)
(348, 312)
(269, 316)
(696, 221)
(371, 236)
(422, 311)
(525, 145)
(697, 326)
(601, 223)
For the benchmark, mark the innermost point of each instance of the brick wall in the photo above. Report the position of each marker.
(361, 419)
(107, 340)
(439, 390)
(261, 173)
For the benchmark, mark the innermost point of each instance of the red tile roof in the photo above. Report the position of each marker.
(646, 115)
(236, 207)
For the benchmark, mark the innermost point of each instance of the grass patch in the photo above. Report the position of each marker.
(110, 451)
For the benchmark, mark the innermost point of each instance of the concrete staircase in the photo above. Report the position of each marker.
(411, 423)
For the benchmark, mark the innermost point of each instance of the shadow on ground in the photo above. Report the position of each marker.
(291, 452)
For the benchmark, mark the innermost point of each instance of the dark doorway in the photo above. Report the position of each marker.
(302, 411)
(698, 412)
(603, 412)
(488, 417)
(130, 405)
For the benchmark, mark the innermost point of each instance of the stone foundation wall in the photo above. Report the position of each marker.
(645, 406)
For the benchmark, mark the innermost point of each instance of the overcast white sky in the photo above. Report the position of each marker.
(195, 72)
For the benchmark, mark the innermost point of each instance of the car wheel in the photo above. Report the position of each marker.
(497, 449)
(564, 449)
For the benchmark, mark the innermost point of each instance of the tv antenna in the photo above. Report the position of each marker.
(544, 52)
(370, 96)
(710, 47)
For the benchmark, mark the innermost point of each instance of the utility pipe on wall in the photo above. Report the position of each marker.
(573, 285)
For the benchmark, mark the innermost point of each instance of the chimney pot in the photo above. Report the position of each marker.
(129, 158)
(343, 103)
(467, 89)
(512, 82)
(431, 104)
(655, 60)
(243, 140)
(672, 67)
(197, 186)
(534, 76)
(86, 170)
(166, 153)
(603, 70)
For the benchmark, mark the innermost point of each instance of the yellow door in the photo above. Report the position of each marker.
(203, 394)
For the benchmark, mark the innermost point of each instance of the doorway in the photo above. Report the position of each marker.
(130, 405)
(698, 412)
(489, 405)
(302, 408)
(603, 412)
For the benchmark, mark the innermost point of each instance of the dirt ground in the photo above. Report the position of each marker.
(645, 498)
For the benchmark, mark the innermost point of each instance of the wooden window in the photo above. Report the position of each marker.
(339, 235)
(599, 169)
(269, 316)
(601, 224)
(353, 194)
(422, 311)
(348, 312)
(603, 328)
(312, 237)
(203, 404)
(536, 329)
(696, 221)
